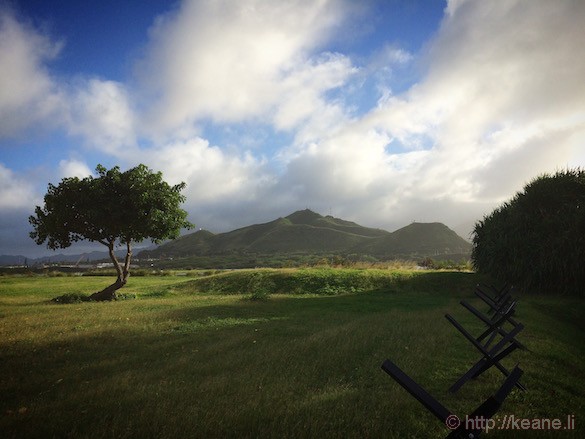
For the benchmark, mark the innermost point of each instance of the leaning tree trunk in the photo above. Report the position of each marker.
(109, 293)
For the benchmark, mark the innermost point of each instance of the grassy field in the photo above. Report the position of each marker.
(197, 357)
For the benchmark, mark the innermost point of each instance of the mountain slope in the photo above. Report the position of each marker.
(305, 238)
(196, 243)
(302, 231)
(305, 231)
(426, 239)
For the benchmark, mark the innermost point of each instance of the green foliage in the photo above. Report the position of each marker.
(113, 207)
(537, 239)
(56, 273)
(125, 206)
(445, 264)
(259, 286)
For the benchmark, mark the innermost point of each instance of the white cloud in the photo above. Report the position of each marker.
(301, 91)
(15, 191)
(494, 109)
(383, 63)
(210, 173)
(235, 61)
(74, 168)
(32, 99)
(28, 94)
(502, 77)
(514, 80)
(501, 102)
(101, 112)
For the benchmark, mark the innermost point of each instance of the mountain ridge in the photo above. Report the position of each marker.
(302, 232)
(305, 231)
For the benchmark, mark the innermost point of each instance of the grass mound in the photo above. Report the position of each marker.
(325, 281)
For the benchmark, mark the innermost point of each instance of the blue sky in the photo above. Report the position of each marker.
(380, 112)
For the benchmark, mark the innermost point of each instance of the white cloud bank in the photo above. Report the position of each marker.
(16, 192)
(501, 100)
(28, 94)
(230, 61)
(100, 112)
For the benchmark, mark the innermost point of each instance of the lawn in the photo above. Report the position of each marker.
(189, 357)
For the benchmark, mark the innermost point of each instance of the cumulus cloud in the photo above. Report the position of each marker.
(74, 168)
(234, 61)
(98, 110)
(15, 191)
(501, 101)
(209, 172)
(513, 81)
(301, 92)
(101, 112)
(28, 93)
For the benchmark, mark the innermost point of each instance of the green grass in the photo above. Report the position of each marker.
(193, 358)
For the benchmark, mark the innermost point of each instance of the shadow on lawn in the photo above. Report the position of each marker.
(286, 367)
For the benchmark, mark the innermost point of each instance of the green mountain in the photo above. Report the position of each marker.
(308, 232)
(418, 239)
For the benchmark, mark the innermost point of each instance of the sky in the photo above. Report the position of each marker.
(378, 112)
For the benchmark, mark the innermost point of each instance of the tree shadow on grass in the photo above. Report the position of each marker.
(211, 371)
(287, 367)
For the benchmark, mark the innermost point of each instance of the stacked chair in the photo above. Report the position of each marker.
(497, 341)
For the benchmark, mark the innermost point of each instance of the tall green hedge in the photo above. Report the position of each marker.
(536, 240)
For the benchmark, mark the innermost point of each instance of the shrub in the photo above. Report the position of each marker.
(259, 286)
(55, 273)
(536, 241)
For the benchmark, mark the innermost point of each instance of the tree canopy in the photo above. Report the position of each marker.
(536, 240)
(113, 208)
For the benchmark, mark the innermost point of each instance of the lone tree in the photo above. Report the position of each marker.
(537, 239)
(113, 208)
